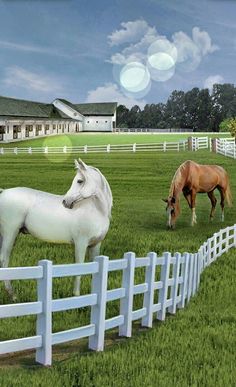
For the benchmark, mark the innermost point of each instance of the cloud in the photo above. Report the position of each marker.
(138, 36)
(31, 48)
(203, 40)
(111, 92)
(212, 80)
(130, 32)
(19, 77)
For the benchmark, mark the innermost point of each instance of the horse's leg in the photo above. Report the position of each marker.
(188, 198)
(213, 203)
(80, 252)
(222, 203)
(193, 203)
(8, 240)
(94, 251)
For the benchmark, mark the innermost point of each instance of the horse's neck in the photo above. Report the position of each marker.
(103, 203)
(105, 195)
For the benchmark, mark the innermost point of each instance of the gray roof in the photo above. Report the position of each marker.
(12, 107)
(92, 109)
(97, 109)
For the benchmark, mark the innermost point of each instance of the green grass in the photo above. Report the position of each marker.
(194, 347)
(104, 139)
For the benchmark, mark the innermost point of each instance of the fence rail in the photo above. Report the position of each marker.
(226, 147)
(200, 143)
(162, 147)
(178, 280)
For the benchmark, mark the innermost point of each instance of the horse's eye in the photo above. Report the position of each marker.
(80, 181)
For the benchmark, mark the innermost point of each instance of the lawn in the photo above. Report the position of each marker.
(106, 138)
(194, 347)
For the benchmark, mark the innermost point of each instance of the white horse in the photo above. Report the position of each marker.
(81, 217)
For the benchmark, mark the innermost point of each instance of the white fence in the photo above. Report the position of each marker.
(162, 147)
(200, 143)
(226, 147)
(178, 280)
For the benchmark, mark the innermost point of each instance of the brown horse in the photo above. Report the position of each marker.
(192, 178)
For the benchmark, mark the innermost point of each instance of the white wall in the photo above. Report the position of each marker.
(99, 123)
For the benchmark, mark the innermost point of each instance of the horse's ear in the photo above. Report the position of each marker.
(165, 200)
(82, 164)
(79, 164)
(76, 164)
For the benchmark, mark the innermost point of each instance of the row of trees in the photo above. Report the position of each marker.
(196, 109)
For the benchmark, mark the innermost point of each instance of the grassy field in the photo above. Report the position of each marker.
(104, 139)
(195, 347)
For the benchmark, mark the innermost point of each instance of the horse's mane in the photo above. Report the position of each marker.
(106, 190)
(177, 179)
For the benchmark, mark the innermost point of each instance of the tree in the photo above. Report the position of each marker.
(175, 110)
(122, 116)
(224, 125)
(223, 103)
(232, 127)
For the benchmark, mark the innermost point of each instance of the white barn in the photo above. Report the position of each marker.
(20, 119)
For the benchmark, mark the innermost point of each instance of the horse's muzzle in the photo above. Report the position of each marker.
(67, 205)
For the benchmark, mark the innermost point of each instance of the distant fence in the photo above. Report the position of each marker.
(152, 130)
(160, 146)
(226, 147)
(178, 280)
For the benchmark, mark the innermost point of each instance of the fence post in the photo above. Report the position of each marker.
(46, 149)
(108, 148)
(15, 151)
(2, 151)
(65, 149)
(195, 270)
(214, 246)
(190, 276)
(174, 287)
(98, 311)
(199, 267)
(227, 239)
(214, 145)
(85, 149)
(149, 295)
(126, 303)
(44, 319)
(134, 147)
(184, 286)
(30, 150)
(234, 235)
(162, 297)
(164, 146)
(190, 143)
(208, 252)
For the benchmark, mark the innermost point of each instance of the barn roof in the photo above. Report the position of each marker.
(13, 107)
(96, 109)
(93, 109)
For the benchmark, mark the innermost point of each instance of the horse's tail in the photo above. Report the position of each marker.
(228, 194)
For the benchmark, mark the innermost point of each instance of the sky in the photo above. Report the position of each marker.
(128, 51)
